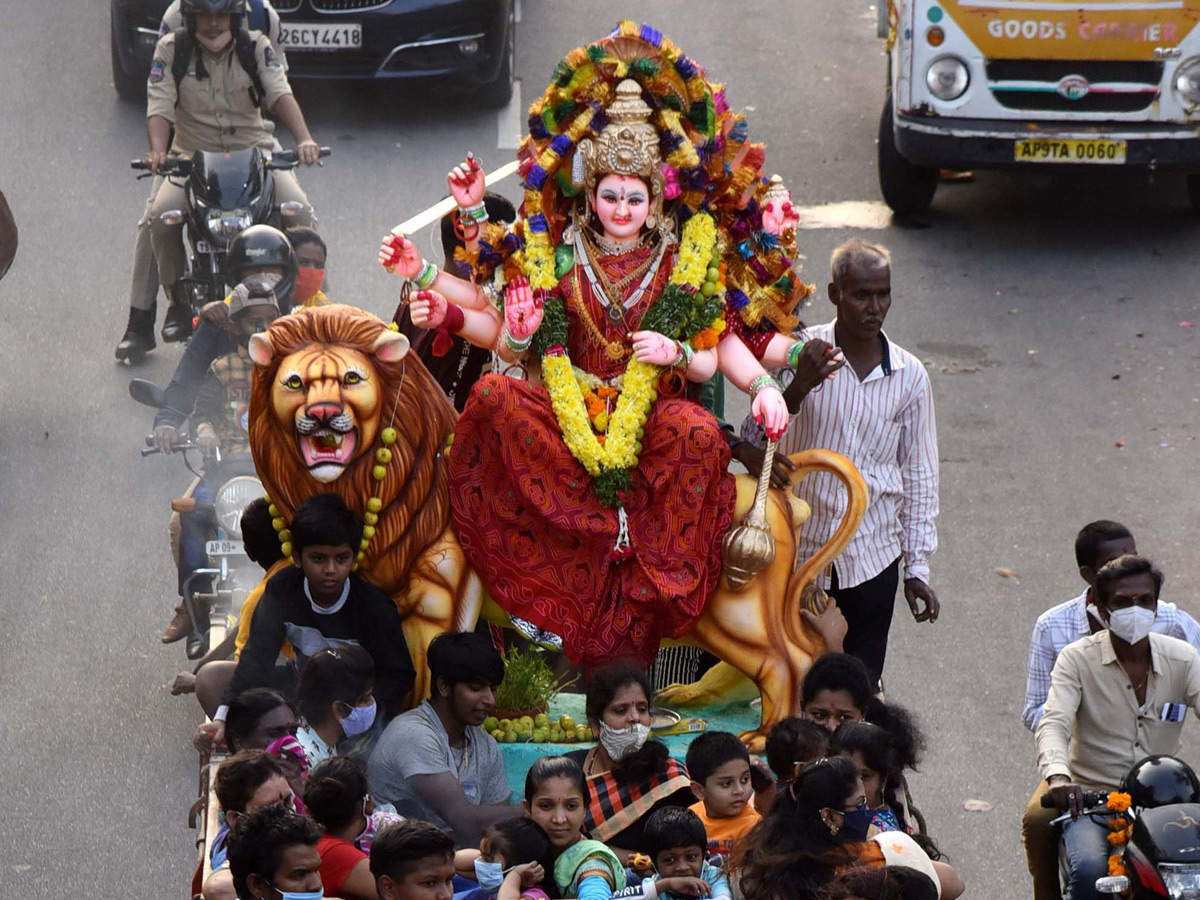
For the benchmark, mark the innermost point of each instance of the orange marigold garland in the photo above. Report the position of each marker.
(1119, 830)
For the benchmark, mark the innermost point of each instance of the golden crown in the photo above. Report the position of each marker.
(628, 145)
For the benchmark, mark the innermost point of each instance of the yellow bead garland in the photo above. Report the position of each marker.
(383, 456)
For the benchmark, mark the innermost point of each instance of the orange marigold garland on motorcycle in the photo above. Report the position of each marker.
(1119, 830)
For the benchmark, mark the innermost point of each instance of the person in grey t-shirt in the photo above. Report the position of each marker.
(434, 762)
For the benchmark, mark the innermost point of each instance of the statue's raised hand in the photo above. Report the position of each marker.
(770, 410)
(428, 309)
(654, 349)
(466, 182)
(522, 309)
(400, 255)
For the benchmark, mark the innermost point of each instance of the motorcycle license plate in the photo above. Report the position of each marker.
(1053, 150)
(224, 548)
(318, 36)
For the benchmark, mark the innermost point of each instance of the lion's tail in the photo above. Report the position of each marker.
(807, 462)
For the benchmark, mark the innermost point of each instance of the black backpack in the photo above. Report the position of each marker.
(243, 45)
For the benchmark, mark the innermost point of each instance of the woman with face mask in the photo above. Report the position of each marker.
(818, 829)
(626, 764)
(336, 702)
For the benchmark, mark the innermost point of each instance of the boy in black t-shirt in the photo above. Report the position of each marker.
(317, 604)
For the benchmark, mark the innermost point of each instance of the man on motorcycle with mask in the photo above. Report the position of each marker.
(1116, 697)
(261, 260)
(212, 81)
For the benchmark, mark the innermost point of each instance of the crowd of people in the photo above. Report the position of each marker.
(422, 807)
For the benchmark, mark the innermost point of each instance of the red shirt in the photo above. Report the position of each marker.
(338, 859)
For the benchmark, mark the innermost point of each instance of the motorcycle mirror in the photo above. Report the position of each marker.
(1112, 884)
(147, 393)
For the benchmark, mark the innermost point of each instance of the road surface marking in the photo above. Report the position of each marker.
(845, 214)
(510, 123)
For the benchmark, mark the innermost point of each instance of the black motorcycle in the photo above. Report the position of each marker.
(1162, 856)
(226, 193)
(216, 589)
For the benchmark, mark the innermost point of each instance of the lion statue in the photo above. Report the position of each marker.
(327, 383)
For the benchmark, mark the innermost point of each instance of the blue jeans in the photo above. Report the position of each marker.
(195, 530)
(1086, 845)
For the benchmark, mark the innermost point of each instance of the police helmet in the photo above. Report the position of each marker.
(262, 245)
(1160, 781)
(235, 8)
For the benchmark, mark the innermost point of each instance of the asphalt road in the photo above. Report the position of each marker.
(1049, 312)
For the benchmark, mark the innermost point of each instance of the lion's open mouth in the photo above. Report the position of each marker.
(327, 452)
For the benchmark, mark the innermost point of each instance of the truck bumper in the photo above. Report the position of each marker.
(989, 143)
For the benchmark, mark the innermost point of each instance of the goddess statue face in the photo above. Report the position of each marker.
(622, 203)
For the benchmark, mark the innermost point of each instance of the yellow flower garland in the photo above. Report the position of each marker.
(622, 445)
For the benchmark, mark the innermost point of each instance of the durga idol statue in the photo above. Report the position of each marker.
(595, 503)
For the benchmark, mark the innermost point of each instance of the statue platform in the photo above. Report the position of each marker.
(519, 757)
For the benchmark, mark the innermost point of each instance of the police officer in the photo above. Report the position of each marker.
(143, 292)
(216, 103)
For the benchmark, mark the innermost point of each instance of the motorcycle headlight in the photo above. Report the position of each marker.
(225, 225)
(1182, 881)
(947, 78)
(232, 499)
(1187, 80)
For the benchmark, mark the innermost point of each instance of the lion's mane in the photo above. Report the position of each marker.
(415, 495)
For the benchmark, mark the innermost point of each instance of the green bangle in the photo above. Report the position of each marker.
(793, 356)
(686, 353)
(762, 381)
(515, 345)
(427, 276)
(477, 213)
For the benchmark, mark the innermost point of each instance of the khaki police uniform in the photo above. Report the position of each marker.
(144, 287)
(214, 113)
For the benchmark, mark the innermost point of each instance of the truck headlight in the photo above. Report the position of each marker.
(1187, 80)
(232, 499)
(225, 225)
(947, 78)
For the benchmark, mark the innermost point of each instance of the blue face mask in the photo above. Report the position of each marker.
(301, 895)
(490, 875)
(857, 822)
(360, 719)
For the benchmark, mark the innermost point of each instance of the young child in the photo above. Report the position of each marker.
(511, 861)
(413, 861)
(677, 844)
(793, 743)
(337, 800)
(719, 765)
(871, 749)
(318, 604)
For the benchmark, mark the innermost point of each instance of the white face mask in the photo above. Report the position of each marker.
(619, 743)
(1131, 624)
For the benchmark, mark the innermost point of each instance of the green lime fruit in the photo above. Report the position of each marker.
(510, 737)
(566, 722)
(490, 724)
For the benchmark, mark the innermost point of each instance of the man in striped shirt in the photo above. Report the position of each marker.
(878, 412)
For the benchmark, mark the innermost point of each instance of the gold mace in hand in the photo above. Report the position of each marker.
(750, 548)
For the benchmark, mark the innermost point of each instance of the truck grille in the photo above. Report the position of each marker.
(1114, 86)
(336, 6)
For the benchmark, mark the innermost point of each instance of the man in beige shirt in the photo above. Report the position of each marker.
(216, 105)
(1115, 698)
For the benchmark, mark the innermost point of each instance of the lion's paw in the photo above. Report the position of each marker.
(684, 695)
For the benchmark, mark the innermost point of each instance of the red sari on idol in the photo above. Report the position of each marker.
(542, 541)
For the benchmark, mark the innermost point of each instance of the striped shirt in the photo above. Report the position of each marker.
(885, 425)
(1068, 622)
